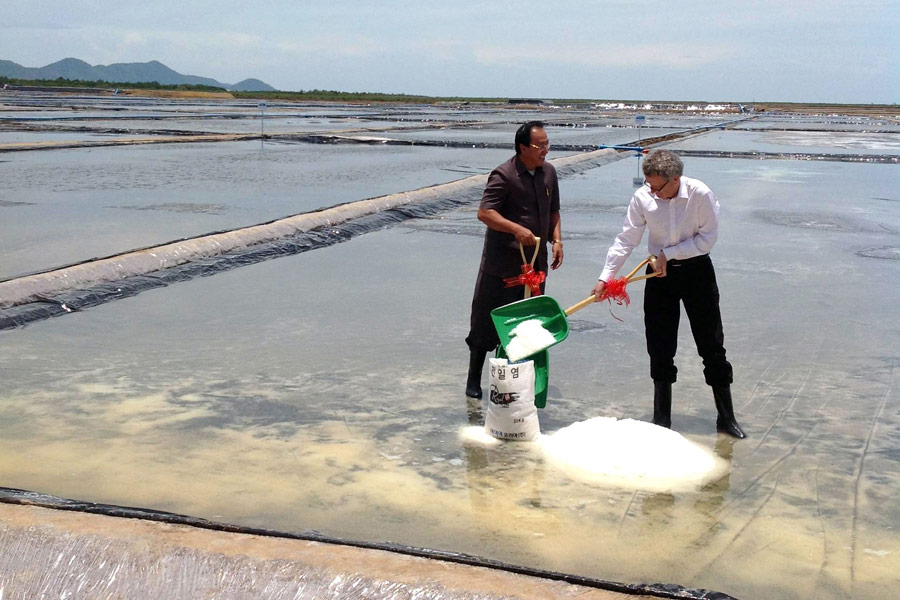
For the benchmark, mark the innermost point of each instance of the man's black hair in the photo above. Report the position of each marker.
(523, 134)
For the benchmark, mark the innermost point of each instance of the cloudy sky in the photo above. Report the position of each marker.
(786, 50)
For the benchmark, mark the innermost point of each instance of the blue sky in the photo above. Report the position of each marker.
(754, 51)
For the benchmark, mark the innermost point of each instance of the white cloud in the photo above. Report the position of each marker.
(133, 38)
(344, 46)
(670, 55)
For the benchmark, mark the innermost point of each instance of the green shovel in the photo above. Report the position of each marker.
(552, 317)
(548, 311)
(542, 308)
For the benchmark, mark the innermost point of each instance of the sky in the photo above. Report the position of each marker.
(753, 51)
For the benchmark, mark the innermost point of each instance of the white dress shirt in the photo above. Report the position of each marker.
(683, 227)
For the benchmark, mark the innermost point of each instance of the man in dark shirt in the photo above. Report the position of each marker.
(520, 202)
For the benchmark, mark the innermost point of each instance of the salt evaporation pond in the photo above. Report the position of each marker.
(80, 204)
(819, 142)
(324, 391)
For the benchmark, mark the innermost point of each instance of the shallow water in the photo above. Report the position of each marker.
(831, 122)
(20, 137)
(66, 206)
(324, 390)
(833, 142)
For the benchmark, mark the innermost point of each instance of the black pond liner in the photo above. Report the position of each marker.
(51, 304)
(45, 306)
(657, 590)
(321, 237)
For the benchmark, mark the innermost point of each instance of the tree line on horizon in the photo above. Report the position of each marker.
(262, 95)
(334, 95)
(81, 83)
(358, 96)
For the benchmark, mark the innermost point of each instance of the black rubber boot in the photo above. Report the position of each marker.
(476, 364)
(662, 404)
(726, 423)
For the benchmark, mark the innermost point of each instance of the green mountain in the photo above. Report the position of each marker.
(72, 68)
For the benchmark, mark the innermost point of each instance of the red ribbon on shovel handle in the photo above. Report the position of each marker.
(529, 278)
(615, 288)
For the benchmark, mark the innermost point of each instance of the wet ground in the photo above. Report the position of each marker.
(323, 391)
(110, 557)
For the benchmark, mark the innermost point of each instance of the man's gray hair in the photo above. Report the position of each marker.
(663, 163)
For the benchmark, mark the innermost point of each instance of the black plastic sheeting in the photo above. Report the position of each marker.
(379, 141)
(658, 590)
(51, 303)
(322, 237)
(47, 306)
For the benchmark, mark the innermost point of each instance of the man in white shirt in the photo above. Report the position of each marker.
(683, 217)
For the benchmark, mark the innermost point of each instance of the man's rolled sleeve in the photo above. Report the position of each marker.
(632, 232)
(495, 192)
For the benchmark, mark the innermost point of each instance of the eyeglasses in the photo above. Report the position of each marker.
(544, 146)
(657, 190)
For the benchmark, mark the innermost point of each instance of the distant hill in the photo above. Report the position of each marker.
(72, 68)
(251, 85)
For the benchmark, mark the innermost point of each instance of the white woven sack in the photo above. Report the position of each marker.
(511, 414)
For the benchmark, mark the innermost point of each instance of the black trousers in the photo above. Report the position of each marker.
(693, 283)
(490, 293)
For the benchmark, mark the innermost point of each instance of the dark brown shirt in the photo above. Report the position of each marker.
(525, 199)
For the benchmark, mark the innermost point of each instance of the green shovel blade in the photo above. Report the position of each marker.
(543, 308)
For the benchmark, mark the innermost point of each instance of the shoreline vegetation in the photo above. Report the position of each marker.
(197, 91)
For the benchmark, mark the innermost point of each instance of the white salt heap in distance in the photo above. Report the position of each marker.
(528, 337)
(632, 454)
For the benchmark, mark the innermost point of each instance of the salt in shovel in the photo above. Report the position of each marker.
(548, 312)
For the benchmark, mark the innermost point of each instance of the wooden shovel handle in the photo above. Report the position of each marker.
(640, 277)
(537, 246)
(638, 268)
(589, 300)
(592, 298)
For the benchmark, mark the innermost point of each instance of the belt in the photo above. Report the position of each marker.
(677, 262)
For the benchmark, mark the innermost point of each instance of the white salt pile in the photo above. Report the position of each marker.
(632, 454)
(476, 435)
(527, 338)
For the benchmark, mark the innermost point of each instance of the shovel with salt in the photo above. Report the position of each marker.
(535, 324)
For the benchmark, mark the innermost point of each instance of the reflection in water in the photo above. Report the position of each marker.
(658, 507)
(253, 452)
